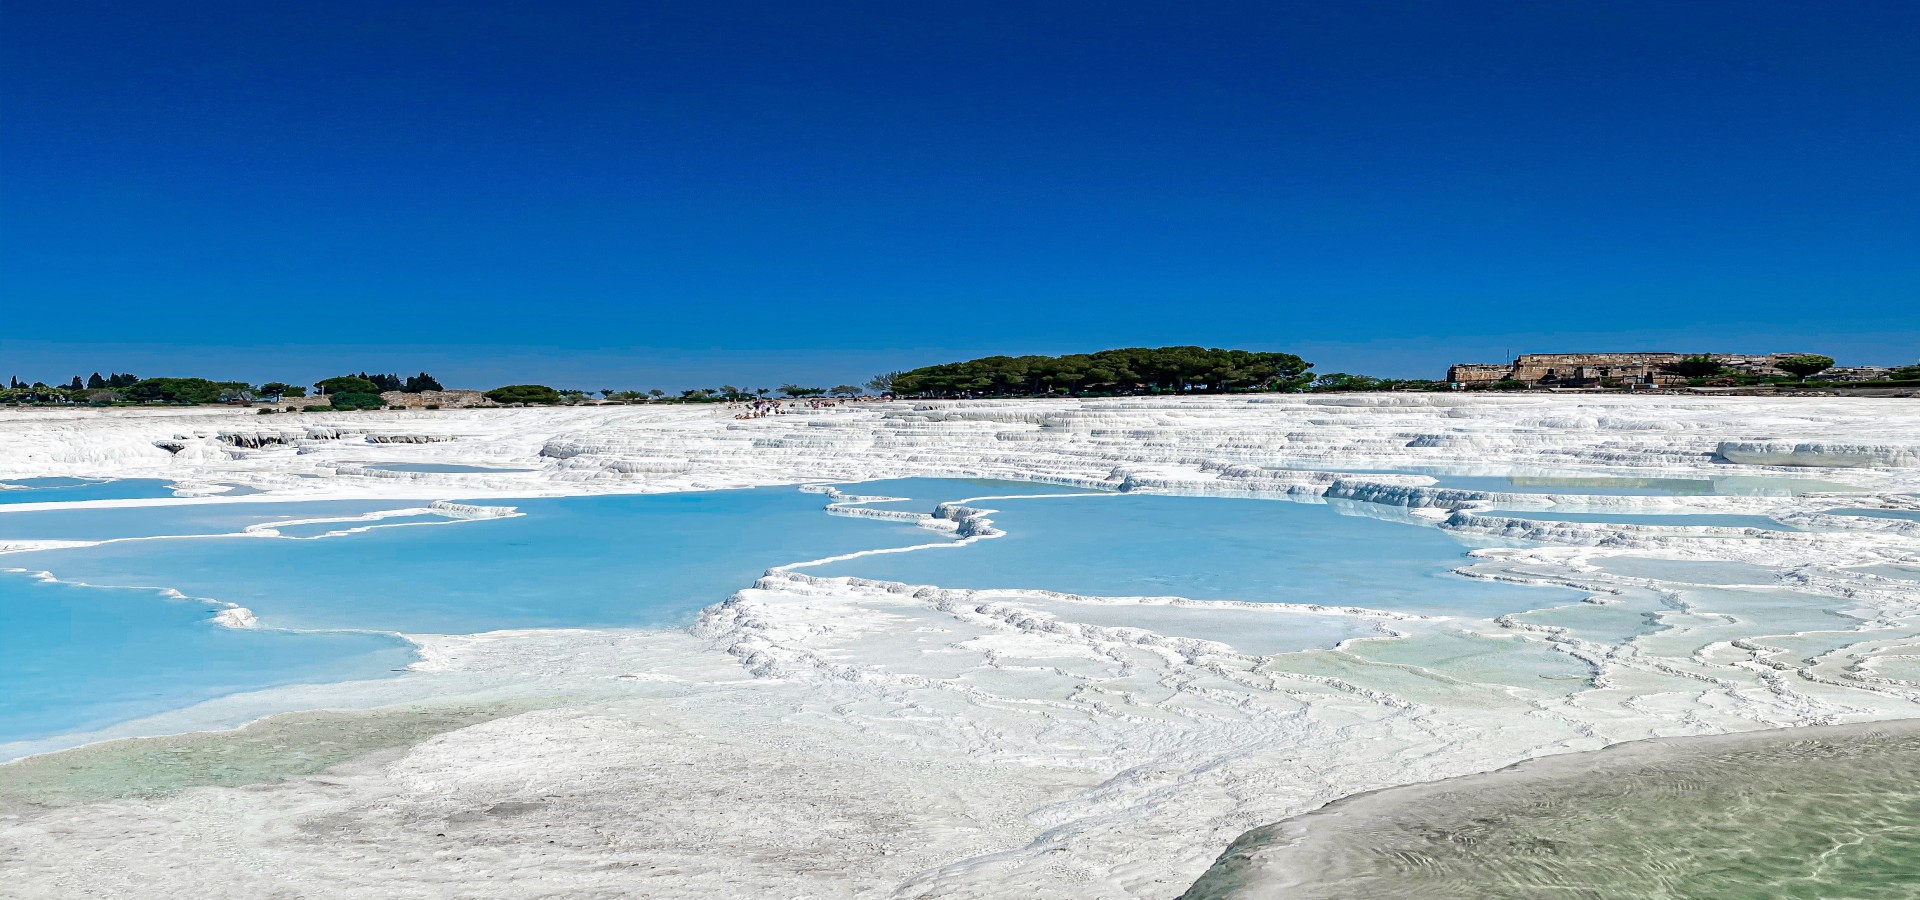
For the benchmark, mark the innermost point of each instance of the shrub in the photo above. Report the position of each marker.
(357, 401)
(433, 406)
(266, 412)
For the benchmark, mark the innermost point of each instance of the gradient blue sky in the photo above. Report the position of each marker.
(641, 194)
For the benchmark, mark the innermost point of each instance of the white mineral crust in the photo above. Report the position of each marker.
(826, 738)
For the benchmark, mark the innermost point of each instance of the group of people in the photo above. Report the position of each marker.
(760, 409)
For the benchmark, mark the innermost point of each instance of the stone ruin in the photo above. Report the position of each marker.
(1605, 369)
(441, 399)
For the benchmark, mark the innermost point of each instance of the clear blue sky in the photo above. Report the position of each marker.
(667, 194)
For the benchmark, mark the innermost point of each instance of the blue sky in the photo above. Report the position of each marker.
(637, 195)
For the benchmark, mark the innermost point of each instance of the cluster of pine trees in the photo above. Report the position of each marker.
(1122, 371)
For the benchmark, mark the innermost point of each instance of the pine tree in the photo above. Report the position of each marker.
(95, 382)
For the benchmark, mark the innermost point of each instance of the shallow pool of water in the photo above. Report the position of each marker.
(113, 523)
(1255, 632)
(1687, 571)
(603, 561)
(78, 658)
(311, 530)
(930, 491)
(1605, 485)
(1211, 548)
(1683, 520)
(70, 490)
(444, 468)
(1797, 813)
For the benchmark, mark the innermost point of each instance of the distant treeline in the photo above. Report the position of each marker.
(1123, 371)
(360, 391)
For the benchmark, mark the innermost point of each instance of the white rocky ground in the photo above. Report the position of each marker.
(820, 738)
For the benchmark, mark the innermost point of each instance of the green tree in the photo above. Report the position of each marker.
(1124, 370)
(356, 401)
(524, 393)
(177, 390)
(346, 384)
(1341, 381)
(1804, 365)
(845, 390)
(422, 382)
(1698, 366)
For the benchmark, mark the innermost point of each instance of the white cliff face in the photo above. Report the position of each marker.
(841, 738)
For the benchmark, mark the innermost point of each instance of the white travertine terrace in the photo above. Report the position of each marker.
(823, 738)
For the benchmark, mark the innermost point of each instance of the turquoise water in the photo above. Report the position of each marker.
(609, 561)
(72, 490)
(323, 529)
(1686, 571)
(925, 492)
(113, 523)
(1210, 548)
(1608, 485)
(449, 468)
(1720, 520)
(74, 658)
(78, 658)
(82, 657)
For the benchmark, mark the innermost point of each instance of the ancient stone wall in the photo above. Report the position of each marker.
(1593, 369)
(441, 399)
(1478, 373)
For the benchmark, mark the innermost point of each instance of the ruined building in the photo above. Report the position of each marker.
(1603, 369)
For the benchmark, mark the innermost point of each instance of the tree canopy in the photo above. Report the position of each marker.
(524, 393)
(1699, 366)
(1804, 364)
(184, 390)
(1158, 369)
(347, 384)
(356, 401)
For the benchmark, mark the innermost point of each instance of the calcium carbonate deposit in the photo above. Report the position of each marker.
(824, 734)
